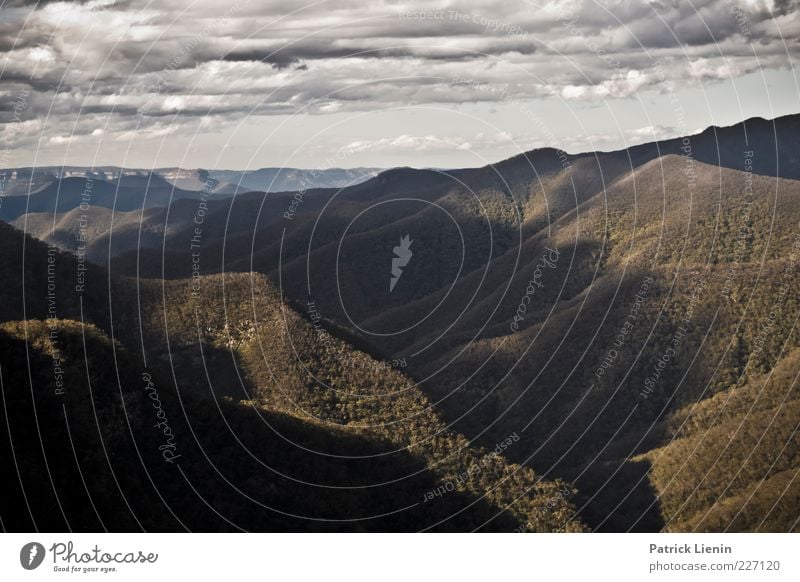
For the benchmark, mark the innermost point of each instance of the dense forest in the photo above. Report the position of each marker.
(603, 341)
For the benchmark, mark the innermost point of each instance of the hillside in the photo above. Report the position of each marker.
(525, 273)
(592, 306)
(731, 461)
(258, 439)
(263, 351)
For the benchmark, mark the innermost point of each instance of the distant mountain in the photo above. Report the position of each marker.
(18, 181)
(775, 141)
(58, 204)
(89, 230)
(293, 179)
(126, 194)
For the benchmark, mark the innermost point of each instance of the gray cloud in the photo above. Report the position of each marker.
(139, 63)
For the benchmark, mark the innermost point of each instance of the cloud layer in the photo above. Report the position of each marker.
(74, 70)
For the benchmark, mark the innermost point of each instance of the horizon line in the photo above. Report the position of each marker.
(380, 169)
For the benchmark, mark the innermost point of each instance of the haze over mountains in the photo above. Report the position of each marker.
(55, 204)
(600, 341)
(24, 181)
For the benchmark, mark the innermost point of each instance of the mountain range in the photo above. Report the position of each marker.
(601, 341)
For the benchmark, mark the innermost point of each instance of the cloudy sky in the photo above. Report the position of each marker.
(345, 83)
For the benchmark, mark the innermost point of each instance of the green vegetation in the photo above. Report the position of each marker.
(650, 382)
(271, 450)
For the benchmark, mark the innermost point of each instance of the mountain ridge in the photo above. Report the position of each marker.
(588, 307)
